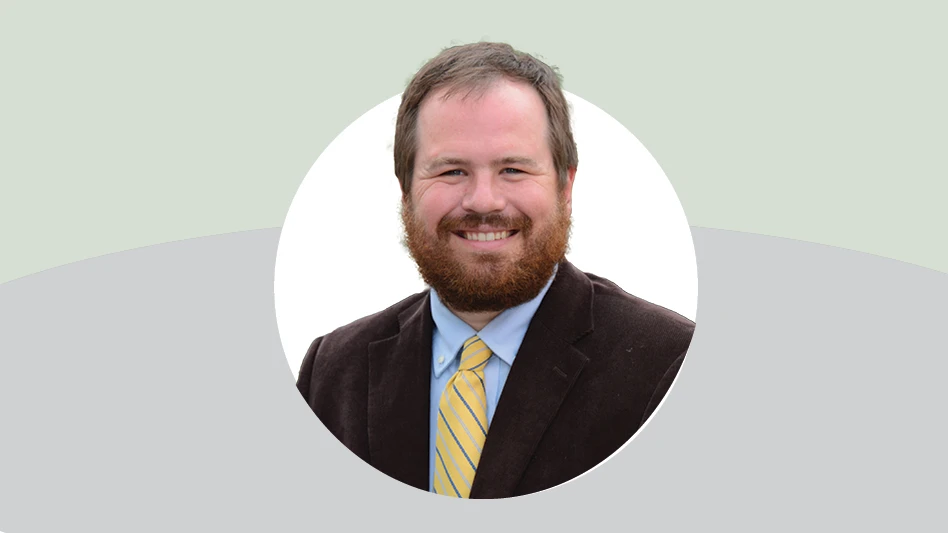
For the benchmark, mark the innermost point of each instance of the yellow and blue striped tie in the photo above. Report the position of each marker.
(462, 423)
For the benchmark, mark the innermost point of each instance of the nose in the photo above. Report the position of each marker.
(484, 194)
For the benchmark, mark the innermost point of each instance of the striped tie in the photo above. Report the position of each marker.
(462, 423)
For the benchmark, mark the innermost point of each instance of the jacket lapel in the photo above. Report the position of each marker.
(399, 377)
(545, 369)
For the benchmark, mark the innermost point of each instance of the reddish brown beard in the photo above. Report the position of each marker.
(492, 282)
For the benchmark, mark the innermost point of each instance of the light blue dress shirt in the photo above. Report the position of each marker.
(502, 335)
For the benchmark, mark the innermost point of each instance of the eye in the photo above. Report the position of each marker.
(512, 171)
(453, 172)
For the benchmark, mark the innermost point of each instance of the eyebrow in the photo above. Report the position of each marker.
(515, 160)
(444, 162)
(456, 161)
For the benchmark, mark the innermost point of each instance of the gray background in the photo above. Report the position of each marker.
(145, 389)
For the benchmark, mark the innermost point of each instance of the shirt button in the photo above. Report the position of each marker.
(440, 359)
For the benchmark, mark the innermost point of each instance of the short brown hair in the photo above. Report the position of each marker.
(473, 67)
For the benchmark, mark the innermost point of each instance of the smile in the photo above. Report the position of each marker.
(486, 236)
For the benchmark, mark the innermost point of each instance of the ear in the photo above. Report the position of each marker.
(567, 192)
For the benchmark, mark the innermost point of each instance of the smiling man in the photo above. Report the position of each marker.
(515, 371)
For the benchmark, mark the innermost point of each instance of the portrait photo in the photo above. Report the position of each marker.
(485, 285)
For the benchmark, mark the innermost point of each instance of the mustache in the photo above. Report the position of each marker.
(494, 220)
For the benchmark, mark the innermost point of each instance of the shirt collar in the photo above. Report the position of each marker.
(503, 335)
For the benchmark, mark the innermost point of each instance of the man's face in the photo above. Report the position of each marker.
(485, 219)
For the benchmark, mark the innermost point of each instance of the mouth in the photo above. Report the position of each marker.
(486, 236)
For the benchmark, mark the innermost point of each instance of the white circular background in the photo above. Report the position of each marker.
(340, 255)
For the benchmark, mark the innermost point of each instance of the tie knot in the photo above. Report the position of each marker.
(474, 354)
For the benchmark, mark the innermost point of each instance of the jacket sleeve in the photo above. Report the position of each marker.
(305, 379)
(661, 389)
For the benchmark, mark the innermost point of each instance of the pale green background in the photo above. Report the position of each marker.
(123, 126)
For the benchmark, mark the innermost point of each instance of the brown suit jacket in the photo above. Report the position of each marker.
(594, 364)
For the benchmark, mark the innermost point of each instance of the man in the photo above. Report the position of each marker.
(515, 372)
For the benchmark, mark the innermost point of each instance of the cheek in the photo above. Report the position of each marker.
(433, 203)
(536, 198)
(538, 209)
(428, 216)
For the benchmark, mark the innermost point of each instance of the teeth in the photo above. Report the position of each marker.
(472, 236)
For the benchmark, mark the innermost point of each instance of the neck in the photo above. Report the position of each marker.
(475, 319)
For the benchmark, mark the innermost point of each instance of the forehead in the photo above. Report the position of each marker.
(506, 116)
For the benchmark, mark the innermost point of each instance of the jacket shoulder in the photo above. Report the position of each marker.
(365, 330)
(339, 352)
(640, 343)
(334, 378)
(619, 311)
